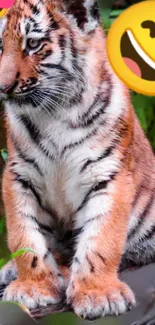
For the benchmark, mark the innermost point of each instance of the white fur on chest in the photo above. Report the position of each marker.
(66, 186)
(63, 186)
(60, 186)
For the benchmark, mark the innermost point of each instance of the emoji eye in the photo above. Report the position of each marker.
(149, 24)
(33, 44)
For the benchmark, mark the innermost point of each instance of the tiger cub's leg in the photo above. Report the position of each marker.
(39, 280)
(94, 289)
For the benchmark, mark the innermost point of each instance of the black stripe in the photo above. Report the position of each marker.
(77, 98)
(138, 193)
(91, 220)
(91, 265)
(41, 71)
(68, 240)
(101, 258)
(53, 24)
(142, 217)
(33, 21)
(76, 260)
(34, 134)
(62, 44)
(45, 228)
(27, 28)
(100, 186)
(47, 255)
(27, 185)
(78, 70)
(96, 115)
(37, 30)
(105, 154)
(96, 188)
(46, 37)
(34, 262)
(34, 8)
(89, 117)
(44, 56)
(86, 115)
(54, 66)
(13, 164)
(78, 143)
(120, 129)
(2, 292)
(29, 161)
(71, 234)
(90, 120)
(31, 128)
(41, 225)
(73, 49)
(76, 232)
(149, 234)
(95, 11)
(101, 110)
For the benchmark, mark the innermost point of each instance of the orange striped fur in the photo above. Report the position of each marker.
(79, 185)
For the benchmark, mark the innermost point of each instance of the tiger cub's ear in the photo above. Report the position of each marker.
(86, 13)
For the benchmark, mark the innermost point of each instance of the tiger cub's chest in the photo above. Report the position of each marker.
(63, 186)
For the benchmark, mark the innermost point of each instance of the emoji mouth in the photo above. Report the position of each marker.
(135, 58)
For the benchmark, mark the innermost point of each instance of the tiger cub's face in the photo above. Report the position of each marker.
(43, 49)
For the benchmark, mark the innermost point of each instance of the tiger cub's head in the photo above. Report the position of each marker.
(46, 51)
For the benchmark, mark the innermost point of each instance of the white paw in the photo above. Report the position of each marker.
(95, 303)
(33, 294)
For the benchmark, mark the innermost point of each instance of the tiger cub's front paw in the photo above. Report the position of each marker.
(34, 294)
(91, 302)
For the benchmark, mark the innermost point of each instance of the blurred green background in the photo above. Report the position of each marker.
(143, 105)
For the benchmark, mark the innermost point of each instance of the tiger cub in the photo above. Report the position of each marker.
(79, 185)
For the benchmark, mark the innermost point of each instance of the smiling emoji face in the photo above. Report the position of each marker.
(131, 47)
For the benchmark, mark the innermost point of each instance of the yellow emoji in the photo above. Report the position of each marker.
(131, 47)
(3, 12)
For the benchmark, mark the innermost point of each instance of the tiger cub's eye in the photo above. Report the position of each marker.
(33, 43)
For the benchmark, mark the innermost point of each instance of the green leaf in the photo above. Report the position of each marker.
(116, 13)
(21, 252)
(3, 261)
(4, 154)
